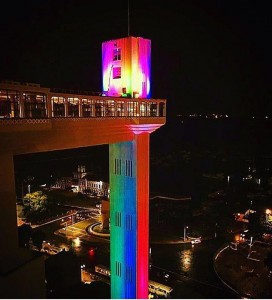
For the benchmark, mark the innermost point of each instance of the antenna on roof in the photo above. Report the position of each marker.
(128, 17)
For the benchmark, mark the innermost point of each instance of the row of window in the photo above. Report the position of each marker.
(32, 105)
(118, 220)
(118, 268)
(118, 167)
(128, 170)
(128, 273)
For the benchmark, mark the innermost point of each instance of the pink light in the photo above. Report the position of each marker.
(145, 128)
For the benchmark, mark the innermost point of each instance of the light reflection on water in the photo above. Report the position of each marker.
(186, 259)
(195, 261)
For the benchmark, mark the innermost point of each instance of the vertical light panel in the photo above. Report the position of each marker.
(126, 64)
(123, 223)
(142, 141)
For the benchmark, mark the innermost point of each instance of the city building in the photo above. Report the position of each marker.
(83, 182)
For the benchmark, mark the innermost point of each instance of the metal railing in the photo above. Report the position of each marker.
(56, 105)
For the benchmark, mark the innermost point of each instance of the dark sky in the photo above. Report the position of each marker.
(207, 55)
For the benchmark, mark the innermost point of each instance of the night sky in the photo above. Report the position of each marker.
(207, 56)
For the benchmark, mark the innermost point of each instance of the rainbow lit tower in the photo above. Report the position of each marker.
(126, 74)
(126, 67)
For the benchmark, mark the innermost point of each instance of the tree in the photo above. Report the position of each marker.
(34, 203)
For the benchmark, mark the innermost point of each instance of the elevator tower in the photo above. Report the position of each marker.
(126, 73)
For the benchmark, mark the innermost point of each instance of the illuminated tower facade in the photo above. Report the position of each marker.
(37, 119)
(126, 67)
(126, 73)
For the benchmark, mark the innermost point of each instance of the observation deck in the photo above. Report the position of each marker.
(37, 119)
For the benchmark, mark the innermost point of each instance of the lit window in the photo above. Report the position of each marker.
(116, 72)
(117, 54)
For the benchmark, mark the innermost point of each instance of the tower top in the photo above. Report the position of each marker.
(126, 64)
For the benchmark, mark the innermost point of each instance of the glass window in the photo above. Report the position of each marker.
(110, 108)
(116, 54)
(35, 105)
(58, 106)
(99, 108)
(120, 109)
(87, 108)
(73, 107)
(143, 109)
(116, 72)
(132, 108)
(9, 104)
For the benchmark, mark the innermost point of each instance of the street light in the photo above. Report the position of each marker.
(250, 245)
(184, 232)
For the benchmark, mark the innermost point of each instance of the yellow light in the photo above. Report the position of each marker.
(77, 242)
(268, 211)
(186, 260)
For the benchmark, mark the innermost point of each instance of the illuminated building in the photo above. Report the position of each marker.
(126, 67)
(39, 119)
(126, 72)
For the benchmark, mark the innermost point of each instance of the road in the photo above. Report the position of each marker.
(190, 267)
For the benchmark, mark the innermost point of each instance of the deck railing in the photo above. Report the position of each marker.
(41, 105)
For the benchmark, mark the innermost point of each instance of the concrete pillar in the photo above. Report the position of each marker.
(22, 273)
(142, 141)
(129, 217)
(8, 218)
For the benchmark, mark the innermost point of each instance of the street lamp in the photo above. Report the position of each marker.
(215, 233)
(184, 232)
(250, 245)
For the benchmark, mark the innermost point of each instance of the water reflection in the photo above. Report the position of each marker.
(186, 259)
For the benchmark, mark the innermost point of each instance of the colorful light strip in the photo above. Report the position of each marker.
(129, 170)
(142, 141)
(123, 220)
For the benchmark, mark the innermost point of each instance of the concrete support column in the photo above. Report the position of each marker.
(8, 217)
(22, 273)
(129, 216)
(123, 223)
(142, 154)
